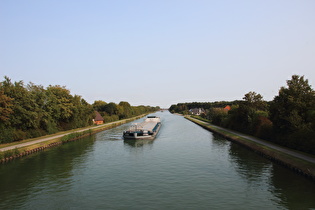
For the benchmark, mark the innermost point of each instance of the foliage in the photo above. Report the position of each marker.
(182, 107)
(292, 113)
(28, 111)
(292, 109)
(287, 120)
(99, 105)
(245, 117)
(5, 106)
(217, 115)
(113, 112)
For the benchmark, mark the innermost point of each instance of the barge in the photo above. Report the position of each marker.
(148, 129)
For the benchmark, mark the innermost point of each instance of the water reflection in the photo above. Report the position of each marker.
(220, 142)
(51, 170)
(294, 192)
(188, 168)
(251, 166)
(139, 142)
(290, 190)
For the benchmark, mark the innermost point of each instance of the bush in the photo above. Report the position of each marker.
(217, 116)
(6, 134)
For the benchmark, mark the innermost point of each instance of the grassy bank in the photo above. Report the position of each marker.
(55, 140)
(299, 165)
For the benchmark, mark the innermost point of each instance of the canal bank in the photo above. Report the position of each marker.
(16, 150)
(186, 167)
(295, 160)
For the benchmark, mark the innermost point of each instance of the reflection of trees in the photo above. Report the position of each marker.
(24, 177)
(220, 142)
(295, 191)
(248, 164)
(289, 189)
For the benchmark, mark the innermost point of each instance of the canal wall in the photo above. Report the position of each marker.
(296, 164)
(15, 153)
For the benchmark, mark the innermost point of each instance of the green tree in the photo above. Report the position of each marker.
(99, 105)
(293, 112)
(25, 116)
(217, 115)
(83, 113)
(111, 108)
(245, 116)
(292, 109)
(5, 106)
(254, 101)
(124, 110)
(59, 104)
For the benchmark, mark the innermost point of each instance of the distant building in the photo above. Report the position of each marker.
(98, 120)
(197, 111)
(227, 108)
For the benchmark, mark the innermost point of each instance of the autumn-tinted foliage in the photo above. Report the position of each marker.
(287, 120)
(31, 110)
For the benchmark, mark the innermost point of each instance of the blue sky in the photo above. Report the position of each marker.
(159, 52)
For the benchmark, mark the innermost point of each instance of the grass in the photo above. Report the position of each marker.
(76, 135)
(68, 135)
(307, 168)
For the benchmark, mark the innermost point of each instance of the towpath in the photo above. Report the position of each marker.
(43, 139)
(291, 152)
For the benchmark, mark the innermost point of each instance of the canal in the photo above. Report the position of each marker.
(185, 167)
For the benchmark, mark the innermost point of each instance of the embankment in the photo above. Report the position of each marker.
(299, 162)
(24, 148)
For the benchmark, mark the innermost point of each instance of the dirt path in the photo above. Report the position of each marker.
(291, 152)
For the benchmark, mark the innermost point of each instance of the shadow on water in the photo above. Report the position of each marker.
(251, 166)
(220, 142)
(185, 167)
(139, 142)
(289, 189)
(32, 174)
(294, 192)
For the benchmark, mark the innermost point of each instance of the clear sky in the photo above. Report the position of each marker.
(158, 52)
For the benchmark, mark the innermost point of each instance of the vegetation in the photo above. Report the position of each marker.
(28, 111)
(75, 135)
(292, 113)
(183, 108)
(288, 120)
(113, 112)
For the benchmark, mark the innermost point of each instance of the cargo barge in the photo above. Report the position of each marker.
(148, 129)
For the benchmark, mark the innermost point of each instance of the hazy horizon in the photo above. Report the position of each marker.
(158, 53)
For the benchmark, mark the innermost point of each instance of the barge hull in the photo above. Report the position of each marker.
(145, 130)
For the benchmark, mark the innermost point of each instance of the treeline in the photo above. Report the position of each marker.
(28, 111)
(112, 112)
(183, 108)
(288, 120)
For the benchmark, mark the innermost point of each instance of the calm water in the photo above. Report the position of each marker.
(185, 167)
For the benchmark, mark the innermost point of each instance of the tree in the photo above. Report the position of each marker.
(32, 110)
(99, 105)
(124, 110)
(217, 115)
(59, 103)
(292, 113)
(254, 101)
(83, 113)
(248, 115)
(5, 106)
(291, 110)
(111, 108)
